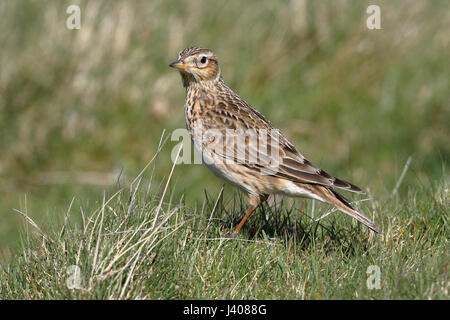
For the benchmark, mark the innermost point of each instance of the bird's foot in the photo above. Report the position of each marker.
(231, 235)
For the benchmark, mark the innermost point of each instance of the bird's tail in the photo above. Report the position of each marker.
(332, 197)
(343, 205)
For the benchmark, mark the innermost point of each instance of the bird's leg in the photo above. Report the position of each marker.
(249, 212)
(255, 201)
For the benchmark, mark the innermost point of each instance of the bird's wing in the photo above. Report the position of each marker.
(246, 137)
(294, 166)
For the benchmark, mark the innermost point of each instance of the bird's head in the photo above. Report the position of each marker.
(197, 65)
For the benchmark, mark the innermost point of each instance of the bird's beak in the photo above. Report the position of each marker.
(179, 64)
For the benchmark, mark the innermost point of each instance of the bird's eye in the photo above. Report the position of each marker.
(203, 59)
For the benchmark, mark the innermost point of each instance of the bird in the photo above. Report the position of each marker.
(240, 145)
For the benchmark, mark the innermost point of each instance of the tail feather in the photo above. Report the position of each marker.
(328, 195)
(342, 184)
(343, 205)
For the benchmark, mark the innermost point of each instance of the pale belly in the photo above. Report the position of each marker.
(216, 164)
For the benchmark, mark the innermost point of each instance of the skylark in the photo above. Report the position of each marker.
(241, 146)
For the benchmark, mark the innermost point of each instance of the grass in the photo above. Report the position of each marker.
(81, 113)
(139, 244)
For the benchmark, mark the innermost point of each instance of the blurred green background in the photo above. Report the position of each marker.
(83, 109)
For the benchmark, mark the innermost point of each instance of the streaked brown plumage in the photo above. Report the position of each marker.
(268, 163)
